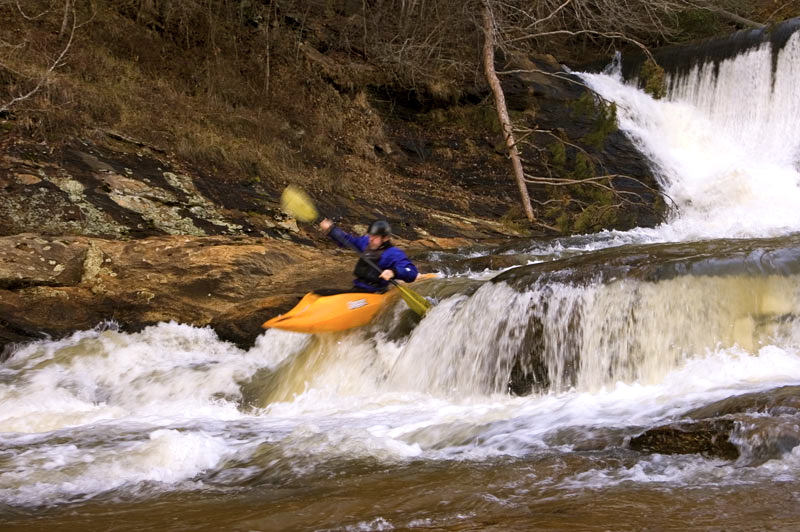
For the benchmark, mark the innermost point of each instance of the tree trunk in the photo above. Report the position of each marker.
(502, 110)
(736, 19)
(65, 22)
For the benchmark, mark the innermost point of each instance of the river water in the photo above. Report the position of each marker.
(412, 425)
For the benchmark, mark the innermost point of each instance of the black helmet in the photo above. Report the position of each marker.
(380, 227)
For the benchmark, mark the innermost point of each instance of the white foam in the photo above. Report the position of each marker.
(168, 372)
(327, 422)
(60, 472)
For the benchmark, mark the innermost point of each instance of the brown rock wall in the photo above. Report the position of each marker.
(30, 260)
(56, 285)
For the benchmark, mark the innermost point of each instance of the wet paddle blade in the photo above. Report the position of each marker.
(297, 204)
(416, 302)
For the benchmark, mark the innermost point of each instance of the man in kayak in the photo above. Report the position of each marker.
(376, 246)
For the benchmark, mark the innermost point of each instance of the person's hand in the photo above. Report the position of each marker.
(387, 275)
(326, 225)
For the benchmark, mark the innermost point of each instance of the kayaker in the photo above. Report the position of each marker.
(376, 246)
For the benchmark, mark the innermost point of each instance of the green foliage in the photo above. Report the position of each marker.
(594, 218)
(514, 220)
(558, 156)
(583, 106)
(652, 79)
(605, 123)
(579, 205)
(560, 216)
(603, 115)
(583, 168)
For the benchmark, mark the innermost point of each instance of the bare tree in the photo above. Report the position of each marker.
(502, 109)
(431, 46)
(520, 26)
(34, 73)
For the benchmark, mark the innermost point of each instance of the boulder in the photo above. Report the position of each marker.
(31, 260)
(707, 437)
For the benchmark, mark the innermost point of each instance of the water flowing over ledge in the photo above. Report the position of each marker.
(680, 60)
(723, 143)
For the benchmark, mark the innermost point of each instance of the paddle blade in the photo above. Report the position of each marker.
(415, 302)
(297, 204)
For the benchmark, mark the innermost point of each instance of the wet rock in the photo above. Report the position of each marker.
(30, 260)
(241, 325)
(709, 438)
(763, 438)
(42, 312)
(784, 401)
(768, 422)
(656, 262)
(236, 283)
(491, 262)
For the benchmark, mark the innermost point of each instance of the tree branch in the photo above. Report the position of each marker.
(733, 17)
(69, 13)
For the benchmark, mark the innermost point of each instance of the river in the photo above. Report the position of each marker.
(510, 406)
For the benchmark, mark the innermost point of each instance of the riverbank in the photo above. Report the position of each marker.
(111, 230)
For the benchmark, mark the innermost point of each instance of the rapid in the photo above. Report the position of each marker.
(509, 406)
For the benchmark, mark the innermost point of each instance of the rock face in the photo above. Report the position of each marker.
(120, 190)
(55, 285)
(29, 260)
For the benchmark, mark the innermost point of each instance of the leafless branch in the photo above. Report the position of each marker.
(52, 65)
(736, 19)
(606, 35)
(778, 9)
(552, 15)
(30, 17)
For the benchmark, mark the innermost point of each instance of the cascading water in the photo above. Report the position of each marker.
(724, 144)
(411, 423)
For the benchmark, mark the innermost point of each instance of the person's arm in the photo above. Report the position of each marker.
(398, 263)
(343, 238)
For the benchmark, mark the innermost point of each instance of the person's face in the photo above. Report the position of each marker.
(375, 241)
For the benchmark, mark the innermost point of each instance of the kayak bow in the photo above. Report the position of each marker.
(339, 312)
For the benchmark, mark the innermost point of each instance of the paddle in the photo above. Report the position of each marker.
(297, 204)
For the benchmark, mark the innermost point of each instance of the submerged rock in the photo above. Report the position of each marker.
(750, 428)
(709, 438)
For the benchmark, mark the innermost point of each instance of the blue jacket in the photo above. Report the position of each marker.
(391, 258)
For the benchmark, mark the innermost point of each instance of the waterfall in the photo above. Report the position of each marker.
(551, 337)
(724, 143)
(758, 108)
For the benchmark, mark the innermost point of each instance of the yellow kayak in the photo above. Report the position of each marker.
(317, 314)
